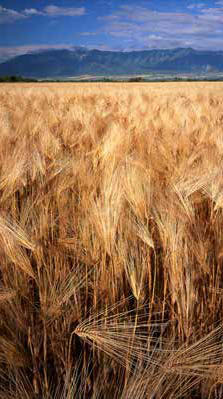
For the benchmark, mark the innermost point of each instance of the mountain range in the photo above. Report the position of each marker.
(82, 61)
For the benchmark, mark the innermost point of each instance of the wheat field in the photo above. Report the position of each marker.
(111, 241)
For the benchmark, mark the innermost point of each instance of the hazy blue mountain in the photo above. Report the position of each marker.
(81, 61)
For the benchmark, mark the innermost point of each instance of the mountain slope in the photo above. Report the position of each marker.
(80, 61)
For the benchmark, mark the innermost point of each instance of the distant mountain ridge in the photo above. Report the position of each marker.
(81, 61)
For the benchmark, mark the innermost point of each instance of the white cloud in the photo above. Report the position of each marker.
(196, 6)
(88, 33)
(212, 16)
(169, 29)
(7, 15)
(55, 11)
(32, 11)
(136, 27)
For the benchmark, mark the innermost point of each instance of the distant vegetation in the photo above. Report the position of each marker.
(15, 78)
(133, 79)
(136, 79)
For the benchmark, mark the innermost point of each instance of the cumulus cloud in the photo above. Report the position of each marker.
(155, 29)
(88, 33)
(32, 11)
(7, 15)
(196, 6)
(134, 27)
(55, 11)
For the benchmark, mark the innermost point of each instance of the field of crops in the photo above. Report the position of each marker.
(111, 241)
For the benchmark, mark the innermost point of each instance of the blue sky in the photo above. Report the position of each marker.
(29, 25)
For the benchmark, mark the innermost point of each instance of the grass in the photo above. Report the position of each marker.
(111, 249)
